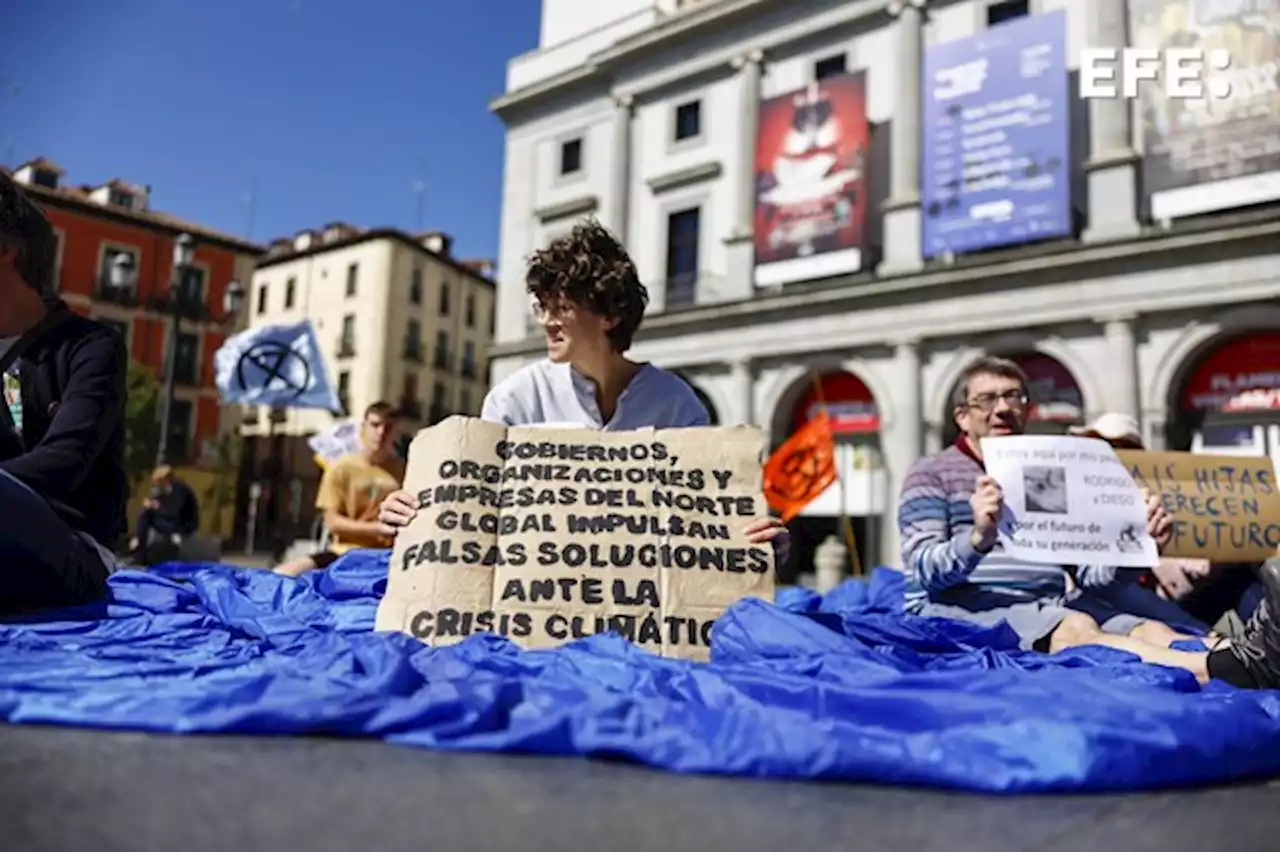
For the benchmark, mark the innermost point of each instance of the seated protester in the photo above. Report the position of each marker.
(351, 490)
(62, 481)
(948, 516)
(170, 513)
(590, 302)
(1131, 590)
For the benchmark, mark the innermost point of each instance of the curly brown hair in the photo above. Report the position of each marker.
(590, 268)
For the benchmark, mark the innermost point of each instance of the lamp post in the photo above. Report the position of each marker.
(184, 249)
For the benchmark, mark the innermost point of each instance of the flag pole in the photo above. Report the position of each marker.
(845, 521)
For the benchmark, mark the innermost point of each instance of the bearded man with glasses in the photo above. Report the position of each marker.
(948, 516)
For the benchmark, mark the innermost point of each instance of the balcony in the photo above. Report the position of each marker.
(346, 346)
(344, 401)
(413, 350)
(410, 409)
(105, 291)
(443, 359)
(191, 309)
(437, 413)
(468, 369)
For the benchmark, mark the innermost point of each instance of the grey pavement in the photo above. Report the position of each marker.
(71, 790)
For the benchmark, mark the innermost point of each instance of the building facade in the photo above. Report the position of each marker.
(97, 224)
(397, 318)
(839, 202)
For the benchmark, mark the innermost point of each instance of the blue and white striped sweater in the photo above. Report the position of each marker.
(935, 521)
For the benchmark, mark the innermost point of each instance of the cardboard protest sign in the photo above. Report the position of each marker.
(550, 535)
(1068, 501)
(1224, 508)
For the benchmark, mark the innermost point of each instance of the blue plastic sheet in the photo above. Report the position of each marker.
(845, 687)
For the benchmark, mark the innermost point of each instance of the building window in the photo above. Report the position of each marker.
(832, 66)
(344, 390)
(185, 365)
(45, 178)
(410, 406)
(468, 360)
(413, 341)
(1007, 10)
(353, 272)
(471, 310)
(415, 287)
(438, 410)
(464, 401)
(191, 291)
(444, 298)
(290, 293)
(442, 359)
(105, 290)
(688, 120)
(60, 240)
(682, 256)
(118, 198)
(180, 430)
(347, 342)
(262, 299)
(570, 156)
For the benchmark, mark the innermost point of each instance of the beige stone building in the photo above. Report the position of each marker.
(397, 317)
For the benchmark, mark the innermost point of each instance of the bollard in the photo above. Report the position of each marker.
(829, 561)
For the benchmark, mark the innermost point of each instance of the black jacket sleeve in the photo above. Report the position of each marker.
(92, 406)
(189, 512)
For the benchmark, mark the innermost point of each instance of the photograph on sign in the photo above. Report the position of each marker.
(1068, 501)
(995, 161)
(545, 536)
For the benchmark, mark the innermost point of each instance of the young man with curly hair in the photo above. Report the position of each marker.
(589, 300)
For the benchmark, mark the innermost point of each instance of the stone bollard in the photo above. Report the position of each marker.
(829, 562)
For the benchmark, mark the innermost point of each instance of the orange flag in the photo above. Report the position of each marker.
(801, 468)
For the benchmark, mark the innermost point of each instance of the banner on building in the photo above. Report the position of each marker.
(995, 164)
(1211, 153)
(811, 200)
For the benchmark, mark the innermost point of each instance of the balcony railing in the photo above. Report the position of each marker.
(437, 413)
(410, 409)
(193, 309)
(443, 359)
(468, 369)
(413, 350)
(346, 347)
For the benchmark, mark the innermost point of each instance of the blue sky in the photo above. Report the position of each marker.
(328, 109)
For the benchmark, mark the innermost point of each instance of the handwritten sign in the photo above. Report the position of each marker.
(1068, 501)
(550, 535)
(1224, 508)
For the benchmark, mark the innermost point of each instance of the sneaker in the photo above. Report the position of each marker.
(1259, 650)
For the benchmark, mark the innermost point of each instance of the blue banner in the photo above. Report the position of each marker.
(995, 166)
(276, 365)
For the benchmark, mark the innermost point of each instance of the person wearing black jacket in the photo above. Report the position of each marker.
(171, 512)
(63, 488)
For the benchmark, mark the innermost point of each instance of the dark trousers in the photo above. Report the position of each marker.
(150, 521)
(43, 562)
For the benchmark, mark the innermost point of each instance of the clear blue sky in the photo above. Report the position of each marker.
(328, 106)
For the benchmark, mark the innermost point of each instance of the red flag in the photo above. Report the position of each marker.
(802, 468)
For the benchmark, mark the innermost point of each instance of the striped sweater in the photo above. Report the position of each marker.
(935, 521)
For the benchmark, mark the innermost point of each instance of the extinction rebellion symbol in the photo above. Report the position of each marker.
(272, 365)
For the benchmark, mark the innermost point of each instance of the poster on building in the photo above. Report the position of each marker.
(811, 200)
(995, 160)
(546, 536)
(1207, 154)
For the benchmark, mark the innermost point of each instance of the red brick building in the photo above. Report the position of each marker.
(96, 223)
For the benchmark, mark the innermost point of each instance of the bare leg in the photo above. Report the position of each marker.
(295, 567)
(1077, 630)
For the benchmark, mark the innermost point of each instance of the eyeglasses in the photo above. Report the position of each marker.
(988, 401)
(546, 313)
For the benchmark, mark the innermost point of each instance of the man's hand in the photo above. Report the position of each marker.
(396, 511)
(1159, 524)
(987, 503)
(773, 531)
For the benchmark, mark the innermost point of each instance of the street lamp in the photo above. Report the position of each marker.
(184, 249)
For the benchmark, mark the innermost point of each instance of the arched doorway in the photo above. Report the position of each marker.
(1229, 399)
(860, 491)
(1056, 401)
(703, 398)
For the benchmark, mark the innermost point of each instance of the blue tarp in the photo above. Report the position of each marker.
(845, 687)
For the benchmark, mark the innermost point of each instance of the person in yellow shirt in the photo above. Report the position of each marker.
(351, 490)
